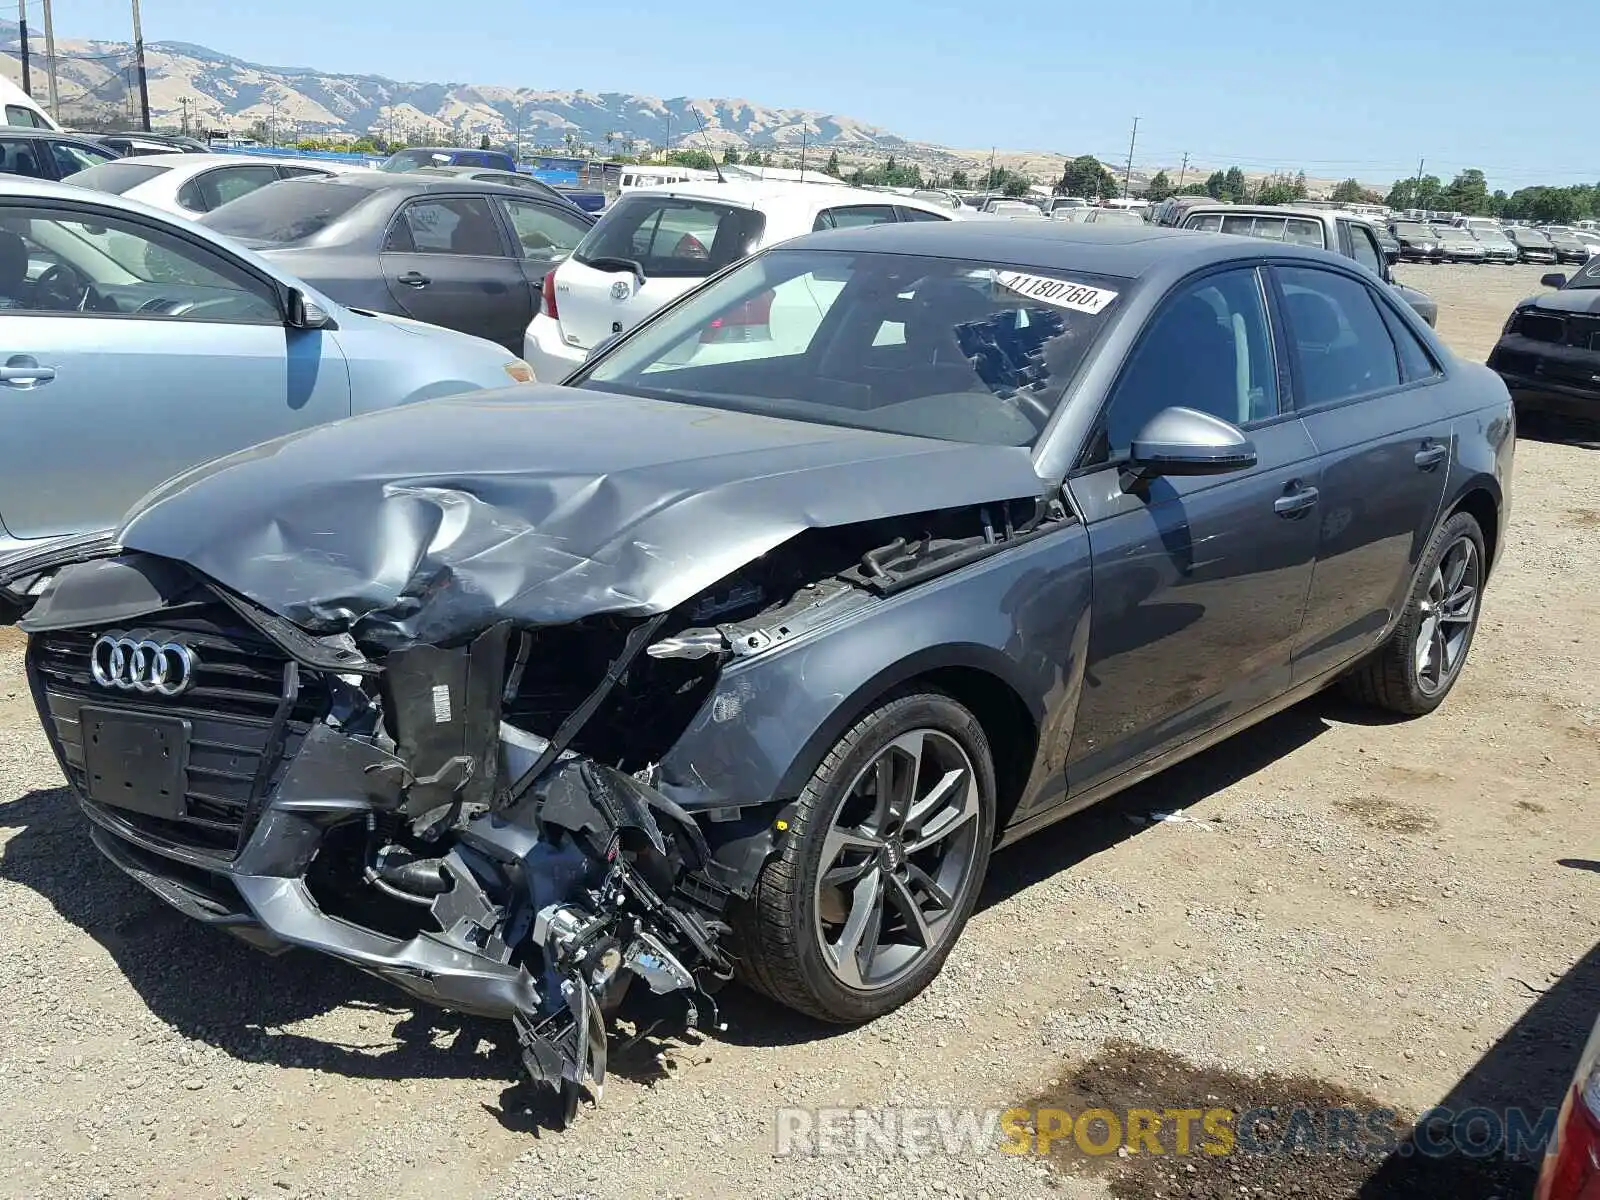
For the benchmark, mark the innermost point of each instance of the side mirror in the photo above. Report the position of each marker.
(1185, 441)
(304, 313)
(1556, 279)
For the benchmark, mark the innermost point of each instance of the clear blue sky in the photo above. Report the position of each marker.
(1337, 89)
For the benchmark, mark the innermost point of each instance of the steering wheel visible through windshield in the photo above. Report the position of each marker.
(933, 347)
(54, 261)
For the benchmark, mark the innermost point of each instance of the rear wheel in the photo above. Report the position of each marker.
(1415, 669)
(881, 865)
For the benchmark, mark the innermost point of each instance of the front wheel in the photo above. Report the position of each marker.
(1415, 669)
(881, 865)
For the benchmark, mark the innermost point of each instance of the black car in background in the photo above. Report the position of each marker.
(1418, 242)
(510, 179)
(454, 252)
(1549, 354)
(45, 154)
(1532, 246)
(1568, 246)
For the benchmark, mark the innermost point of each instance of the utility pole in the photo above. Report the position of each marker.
(1127, 175)
(138, 59)
(1184, 171)
(988, 181)
(1416, 188)
(50, 62)
(22, 38)
(804, 129)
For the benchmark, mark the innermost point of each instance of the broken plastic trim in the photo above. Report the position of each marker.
(638, 638)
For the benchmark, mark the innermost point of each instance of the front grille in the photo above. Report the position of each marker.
(230, 708)
(1583, 332)
(1541, 327)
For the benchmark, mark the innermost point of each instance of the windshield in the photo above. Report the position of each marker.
(932, 347)
(410, 160)
(1411, 229)
(1529, 237)
(117, 177)
(1587, 276)
(290, 211)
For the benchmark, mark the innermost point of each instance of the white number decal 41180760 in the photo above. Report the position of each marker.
(1061, 293)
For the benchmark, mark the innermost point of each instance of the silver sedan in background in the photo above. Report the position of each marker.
(134, 346)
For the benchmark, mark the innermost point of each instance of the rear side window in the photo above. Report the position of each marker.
(117, 177)
(299, 172)
(674, 237)
(855, 216)
(1416, 363)
(1364, 249)
(919, 214)
(72, 158)
(16, 114)
(1340, 342)
(1210, 222)
(219, 187)
(458, 225)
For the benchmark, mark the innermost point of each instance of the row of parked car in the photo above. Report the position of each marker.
(1482, 239)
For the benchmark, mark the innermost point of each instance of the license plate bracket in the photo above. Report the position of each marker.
(135, 761)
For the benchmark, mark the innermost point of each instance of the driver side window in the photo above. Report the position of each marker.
(57, 262)
(1209, 347)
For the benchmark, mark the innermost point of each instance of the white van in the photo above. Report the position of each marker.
(19, 108)
(634, 178)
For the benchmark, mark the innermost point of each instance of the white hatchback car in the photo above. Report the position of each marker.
(652, 246)
(191, 185)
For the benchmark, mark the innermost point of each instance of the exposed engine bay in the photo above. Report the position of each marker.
(477, 821)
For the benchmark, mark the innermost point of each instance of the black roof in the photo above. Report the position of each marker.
(1129, 251)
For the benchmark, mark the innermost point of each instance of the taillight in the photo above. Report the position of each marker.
(547, 297)
(1572, 1172)
(747, 322)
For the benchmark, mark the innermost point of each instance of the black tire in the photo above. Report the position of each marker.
(777, 931)
(1390, 678)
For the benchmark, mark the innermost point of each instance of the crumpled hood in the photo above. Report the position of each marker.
(429, 521)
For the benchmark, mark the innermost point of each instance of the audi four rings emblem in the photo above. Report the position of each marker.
(165, 668)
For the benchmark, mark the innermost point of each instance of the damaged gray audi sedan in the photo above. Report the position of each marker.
(740, 652)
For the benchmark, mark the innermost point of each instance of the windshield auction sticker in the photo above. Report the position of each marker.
(1062, 293)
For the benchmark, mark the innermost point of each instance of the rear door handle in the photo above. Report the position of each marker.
(21, 371)
(1430, 456)
(415, 279)
(1295, 503)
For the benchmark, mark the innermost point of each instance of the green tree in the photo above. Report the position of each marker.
(730, 157)
(1087, 176)
(1215, 186)
(1234, 185)
(1017, 186)
(1348, 192)
(959, 180)
(832, 167)
(1159, 187)
(1468, 193)
(694, 159)
(1193, 189)
(483, 142)
(1301, 190)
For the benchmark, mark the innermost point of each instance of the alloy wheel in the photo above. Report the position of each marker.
(1448, 612)
(897, 861)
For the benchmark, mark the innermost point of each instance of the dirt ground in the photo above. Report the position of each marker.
(1356, 913)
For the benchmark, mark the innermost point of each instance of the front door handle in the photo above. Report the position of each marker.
(1296, 500)
(23, 371)
(415, 279)
(1430, 456)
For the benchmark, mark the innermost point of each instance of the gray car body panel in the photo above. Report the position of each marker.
(1130, 627)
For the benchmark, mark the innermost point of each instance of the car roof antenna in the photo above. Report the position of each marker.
(706, 137)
